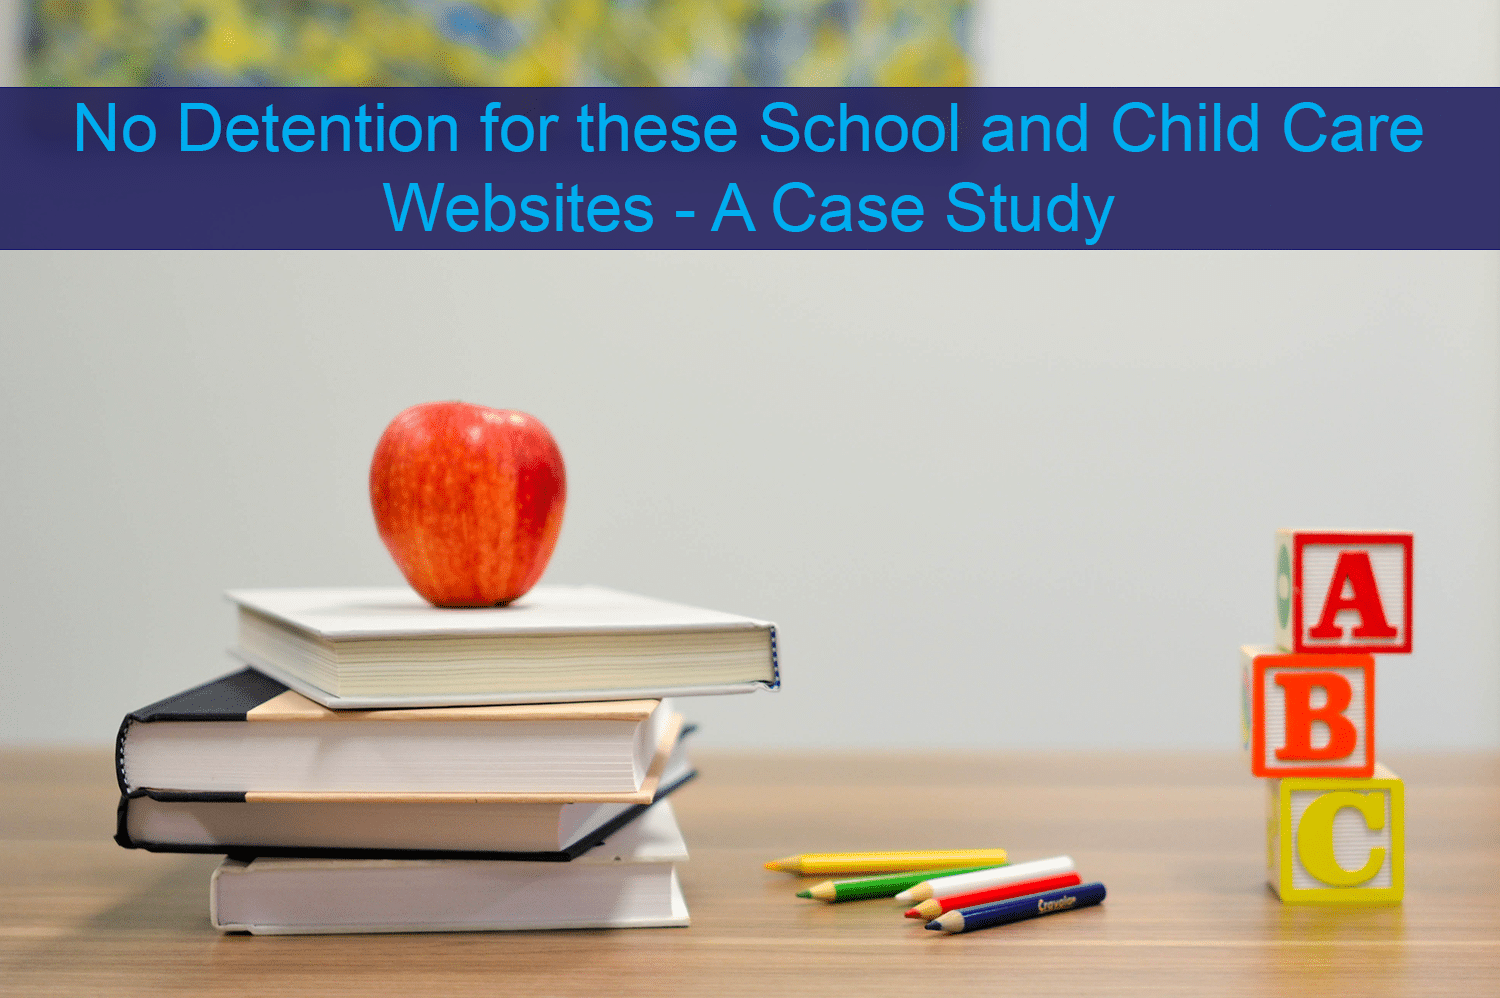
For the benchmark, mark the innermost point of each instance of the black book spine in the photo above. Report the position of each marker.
(120, 757)
(228, 698)
(122, 816)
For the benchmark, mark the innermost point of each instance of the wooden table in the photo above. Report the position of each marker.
(1177, 839)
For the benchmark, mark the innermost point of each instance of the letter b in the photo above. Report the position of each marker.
(1301, 715)
(1309, 715)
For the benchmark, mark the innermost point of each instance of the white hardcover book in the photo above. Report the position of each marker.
(247, 734)
(414, 829)
(388, 647)
(629, 881)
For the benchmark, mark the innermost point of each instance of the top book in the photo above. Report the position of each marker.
(387, 647)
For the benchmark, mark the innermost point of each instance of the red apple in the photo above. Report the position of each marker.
(468, 500)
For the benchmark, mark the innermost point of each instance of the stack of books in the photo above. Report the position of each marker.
(382, 765)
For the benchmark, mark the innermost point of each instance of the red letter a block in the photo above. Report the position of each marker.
(1343, 591)
(1310, 715)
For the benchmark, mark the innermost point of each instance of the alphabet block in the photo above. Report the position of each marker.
(1334, 841)
(1342, 591)
(1308, 715)
(1244, 702)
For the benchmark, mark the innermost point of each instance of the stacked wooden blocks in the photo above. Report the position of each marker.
(1334, 815)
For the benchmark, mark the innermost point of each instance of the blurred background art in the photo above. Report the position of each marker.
(497, 43)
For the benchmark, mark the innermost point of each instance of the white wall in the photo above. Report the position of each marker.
(1266, 43)
(1020, 499)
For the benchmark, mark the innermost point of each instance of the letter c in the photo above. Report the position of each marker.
(1306, 105)
(1315, 836)
(795, 185)
(1120, 139)
(807, 138)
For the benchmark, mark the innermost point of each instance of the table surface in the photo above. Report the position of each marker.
(1177, 838)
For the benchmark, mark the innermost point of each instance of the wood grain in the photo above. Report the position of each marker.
(1177, 839)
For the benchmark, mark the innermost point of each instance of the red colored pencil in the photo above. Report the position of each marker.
(933, 907)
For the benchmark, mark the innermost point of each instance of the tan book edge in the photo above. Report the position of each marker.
(645, 795)
(293, 706)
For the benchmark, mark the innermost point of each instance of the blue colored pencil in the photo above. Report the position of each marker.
(982, 916)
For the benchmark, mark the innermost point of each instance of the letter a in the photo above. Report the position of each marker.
(1353, 569)
(741, 212)
(1300, 715)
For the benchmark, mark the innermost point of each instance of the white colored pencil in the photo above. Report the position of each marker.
(963, 883)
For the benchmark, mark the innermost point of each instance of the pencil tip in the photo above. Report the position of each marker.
(935, 926)
(913, 913)
(804, 894)
(904, 896)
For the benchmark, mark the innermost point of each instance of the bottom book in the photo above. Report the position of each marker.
(628, 881)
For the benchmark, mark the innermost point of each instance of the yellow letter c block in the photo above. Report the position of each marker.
(1315, 836)
(1305, 837)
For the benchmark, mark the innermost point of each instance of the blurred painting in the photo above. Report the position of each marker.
(498, 43)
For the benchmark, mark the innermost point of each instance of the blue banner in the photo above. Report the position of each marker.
(814, 168)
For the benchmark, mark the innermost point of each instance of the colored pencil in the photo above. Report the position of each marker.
(876, 887)
(933, 907)
(1016, 909)
(834, 863)
(964, 883)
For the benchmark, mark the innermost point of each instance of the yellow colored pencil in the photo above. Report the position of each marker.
(836, 863)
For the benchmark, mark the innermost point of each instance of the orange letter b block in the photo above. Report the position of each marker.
(1336, 841)
(1309, 715)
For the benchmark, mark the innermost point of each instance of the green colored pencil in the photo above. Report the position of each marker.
(887, 886)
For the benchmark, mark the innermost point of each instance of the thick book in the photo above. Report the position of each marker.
(173, 821)
(628, 881)
(247, 734)
(372, 648)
